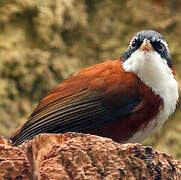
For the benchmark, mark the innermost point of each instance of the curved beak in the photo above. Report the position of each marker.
(146, 46)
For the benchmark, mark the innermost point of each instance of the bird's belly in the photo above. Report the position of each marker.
(143, 132)
(150, 128)
(130, 129)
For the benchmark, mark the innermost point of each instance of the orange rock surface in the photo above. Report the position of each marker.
(80, 156)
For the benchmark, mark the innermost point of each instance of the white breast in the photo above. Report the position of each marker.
(154, 72)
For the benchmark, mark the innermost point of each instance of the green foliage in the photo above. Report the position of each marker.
(44, 42)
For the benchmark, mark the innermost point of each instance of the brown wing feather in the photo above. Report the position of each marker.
(76, 88)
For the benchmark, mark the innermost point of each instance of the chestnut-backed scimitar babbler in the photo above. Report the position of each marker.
(124, 99)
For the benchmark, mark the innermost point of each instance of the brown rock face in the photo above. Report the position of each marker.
(13, 162)
(80, 156)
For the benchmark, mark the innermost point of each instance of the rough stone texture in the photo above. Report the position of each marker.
(80, 156)
(43, 42)
(13, 162)
(92, 157)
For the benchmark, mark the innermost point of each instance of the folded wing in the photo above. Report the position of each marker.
(95, 96)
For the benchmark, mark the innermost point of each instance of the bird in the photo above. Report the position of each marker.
(126, 99)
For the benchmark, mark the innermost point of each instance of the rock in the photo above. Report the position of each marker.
(82, 156)
(13, 162)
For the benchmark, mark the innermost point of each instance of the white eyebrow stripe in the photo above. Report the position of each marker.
(164, 43)
(134, 38)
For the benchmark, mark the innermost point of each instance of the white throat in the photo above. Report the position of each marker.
(154, 72)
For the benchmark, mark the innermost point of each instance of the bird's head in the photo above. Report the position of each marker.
(148, 58)
(148, 51)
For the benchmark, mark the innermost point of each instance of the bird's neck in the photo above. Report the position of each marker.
(154, 72)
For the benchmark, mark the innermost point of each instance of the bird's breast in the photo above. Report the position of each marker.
(132, 106)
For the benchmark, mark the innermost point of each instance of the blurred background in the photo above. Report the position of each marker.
(44, 42)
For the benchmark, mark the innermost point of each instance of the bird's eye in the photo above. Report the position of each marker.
(135, 43)
(159, 46)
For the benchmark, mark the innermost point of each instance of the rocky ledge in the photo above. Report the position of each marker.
(82, 156)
